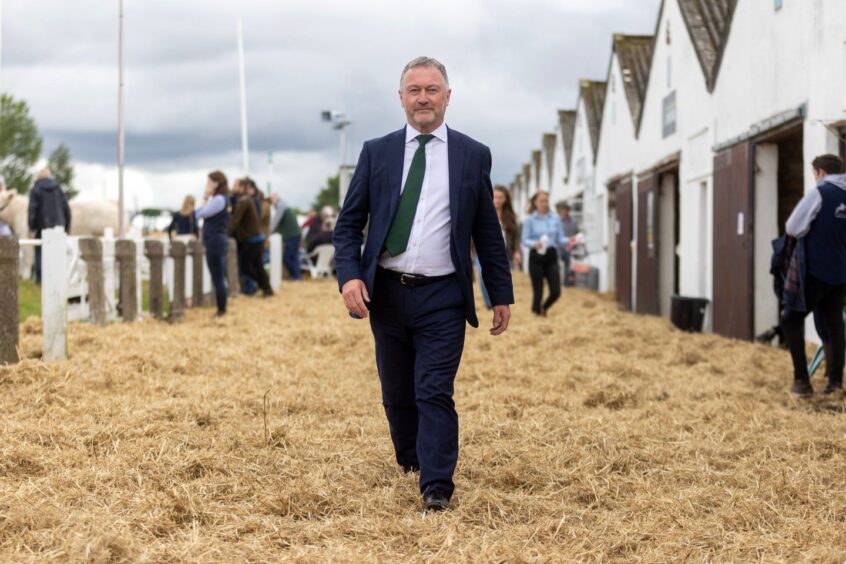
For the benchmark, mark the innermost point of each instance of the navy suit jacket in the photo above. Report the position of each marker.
(372, 201)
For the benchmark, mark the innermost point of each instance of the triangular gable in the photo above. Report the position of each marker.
(634, 54)
(592, 92)
(536, 163)
(708, 22)
(567, 122)
(549, 151)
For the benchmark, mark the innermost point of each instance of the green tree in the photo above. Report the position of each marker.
(62, 168)
(20, 143)
(328, 195)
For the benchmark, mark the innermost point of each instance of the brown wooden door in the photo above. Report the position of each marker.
(647, 245)
(733, 244)
(623, 261)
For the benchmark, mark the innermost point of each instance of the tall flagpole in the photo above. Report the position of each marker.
(245, 151)
(120, 135)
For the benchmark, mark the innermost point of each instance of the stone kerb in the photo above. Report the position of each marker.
(91, 251)
(177, 300)
(9, 333)
(126, 256)
(154, 251)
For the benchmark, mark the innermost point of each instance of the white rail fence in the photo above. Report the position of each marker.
(102, 280)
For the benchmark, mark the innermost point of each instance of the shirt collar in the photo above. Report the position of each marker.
(440, 133)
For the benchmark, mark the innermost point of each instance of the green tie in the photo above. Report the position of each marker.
(400, 231)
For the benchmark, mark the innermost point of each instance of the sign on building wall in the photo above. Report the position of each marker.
(669, 115)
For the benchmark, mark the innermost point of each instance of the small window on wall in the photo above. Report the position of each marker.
(777, 4)
(842, 143)
(669, 114)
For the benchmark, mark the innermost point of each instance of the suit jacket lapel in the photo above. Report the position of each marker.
(396, 158)
(456, 149)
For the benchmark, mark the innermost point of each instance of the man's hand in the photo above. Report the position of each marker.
(356, 297)
(501, 316)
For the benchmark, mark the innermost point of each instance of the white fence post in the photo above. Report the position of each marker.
(275, 261)
(54, 299)
(109, 274)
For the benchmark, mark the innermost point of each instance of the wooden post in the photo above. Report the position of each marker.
(196, 250)
(154, 250)
(91, 251)
(9, 333)
(177, 298)
(275, 261)
(126, 257)
(54, 298)
(232, 274)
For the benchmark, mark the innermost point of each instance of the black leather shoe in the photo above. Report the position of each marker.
(410, 468)
(436, 501)
(802, 387)
(833, 387)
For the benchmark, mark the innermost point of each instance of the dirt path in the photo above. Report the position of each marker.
(591, 434)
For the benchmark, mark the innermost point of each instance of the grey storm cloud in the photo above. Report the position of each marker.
(511, 64)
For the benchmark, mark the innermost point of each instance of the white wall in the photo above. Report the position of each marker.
(559, 168)
(676, 68)
(766, 229)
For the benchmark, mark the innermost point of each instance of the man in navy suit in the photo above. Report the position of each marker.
(423, 193)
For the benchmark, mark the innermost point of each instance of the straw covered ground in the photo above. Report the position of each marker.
(589, 435)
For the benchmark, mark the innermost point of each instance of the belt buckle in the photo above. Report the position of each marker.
(404, 277)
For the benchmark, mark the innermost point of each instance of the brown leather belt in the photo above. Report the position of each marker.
(413, 280)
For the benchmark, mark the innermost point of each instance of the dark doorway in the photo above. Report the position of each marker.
(623, 243)
(646, 288)
(657, 241)
(733, 245)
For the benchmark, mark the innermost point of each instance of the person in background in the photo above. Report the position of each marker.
(543, 234)
(48, 207)
(510, 232)
(215, 215)
(246, 228)
(184, 222)
(820, 219)
(263, 207)
(5, 229)
(285, 223)
(571, 228)
(248, 285)
(321, 232)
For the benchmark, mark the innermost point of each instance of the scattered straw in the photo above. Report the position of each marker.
(588, 435)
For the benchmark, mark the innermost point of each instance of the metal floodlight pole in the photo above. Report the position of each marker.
(120, 135)
(245, 152)
(339, 123)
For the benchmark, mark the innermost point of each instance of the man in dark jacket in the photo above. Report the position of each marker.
(48, 207)
(820, 219)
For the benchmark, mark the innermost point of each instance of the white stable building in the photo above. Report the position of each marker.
(685, 196)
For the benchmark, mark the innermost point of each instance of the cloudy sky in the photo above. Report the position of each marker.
(512, 64)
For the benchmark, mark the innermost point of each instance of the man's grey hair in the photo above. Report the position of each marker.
(425, 62)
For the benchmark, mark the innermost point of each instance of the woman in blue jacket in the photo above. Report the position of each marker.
(543, 234)
(215, 216)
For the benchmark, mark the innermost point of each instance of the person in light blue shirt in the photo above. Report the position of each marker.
(544, 235)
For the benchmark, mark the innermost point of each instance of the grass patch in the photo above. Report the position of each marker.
(29, 299)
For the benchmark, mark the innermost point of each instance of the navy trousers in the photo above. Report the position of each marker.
(216, 260)
(419, 336)
(291, 256)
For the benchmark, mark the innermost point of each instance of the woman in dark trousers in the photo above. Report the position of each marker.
(184, 222)
(246, 228)
(543, 234)
(216, 219)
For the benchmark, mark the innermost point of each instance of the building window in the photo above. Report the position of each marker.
(669, 72)
(777, 4)
(669, 114)
(842, 144)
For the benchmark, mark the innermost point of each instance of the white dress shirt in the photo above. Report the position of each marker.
(428, 251)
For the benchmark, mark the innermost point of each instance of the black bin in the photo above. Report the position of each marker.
(688, 314)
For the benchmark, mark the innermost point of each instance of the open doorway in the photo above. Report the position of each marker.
(779, 185)
(668, 267)
(657, 241)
